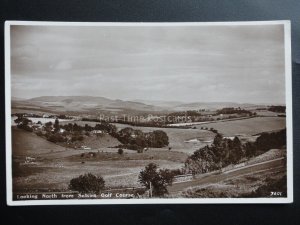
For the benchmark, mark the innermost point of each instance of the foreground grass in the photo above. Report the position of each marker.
(248, 186)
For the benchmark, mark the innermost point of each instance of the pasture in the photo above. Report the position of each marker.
(249, 126)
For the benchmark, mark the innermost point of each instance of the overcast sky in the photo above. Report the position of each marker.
(184, 63)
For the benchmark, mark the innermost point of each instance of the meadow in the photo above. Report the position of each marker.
(249, 126)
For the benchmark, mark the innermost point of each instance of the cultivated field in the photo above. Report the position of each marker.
(250, 126)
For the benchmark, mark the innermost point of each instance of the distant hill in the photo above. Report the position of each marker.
(17, 99)
(81, 104)
(164, 104)
(213, 105)
(92, 104)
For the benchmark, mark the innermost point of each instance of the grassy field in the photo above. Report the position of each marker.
(99, 142)
(29, 144)
(248, 126)
(55, 166)
(56, 174)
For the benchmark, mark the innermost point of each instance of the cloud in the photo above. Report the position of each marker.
(169, 63)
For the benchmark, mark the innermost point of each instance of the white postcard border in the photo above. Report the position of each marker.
(289, 120)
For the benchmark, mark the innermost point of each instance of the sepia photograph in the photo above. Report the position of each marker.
(145, 113)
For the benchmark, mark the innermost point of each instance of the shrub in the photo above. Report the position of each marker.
(140, 151)
(56, 138)
(39, 133)
(25, 127)
(87, 183)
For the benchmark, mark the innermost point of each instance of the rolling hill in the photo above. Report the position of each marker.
(92, 104)
(80, 104)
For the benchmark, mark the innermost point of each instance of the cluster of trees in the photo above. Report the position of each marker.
(185, 113)
(186, 116)
(71, 132)
(137, 139)
(265, 142)
(277, 109)
(156, 180)
(224, 151)
(150, 123)
(23, 123)
(64, 117)
(104, 126)
(232, 110)
(91, 120)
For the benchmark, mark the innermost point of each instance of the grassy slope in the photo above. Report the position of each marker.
(27, 144)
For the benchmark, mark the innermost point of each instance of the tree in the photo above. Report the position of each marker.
(48, 124)
(56, 125)
(19, 118)
(236, 152)
(158, 139)
(87, 183)
(218, 140)
(250, 149)
(87, 127)
(120, 151)
(157, 179)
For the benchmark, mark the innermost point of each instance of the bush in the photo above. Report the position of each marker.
(39, 133)
(56, 138)
(25, 127)
(271, 185)
(87, 183)
(77, 138)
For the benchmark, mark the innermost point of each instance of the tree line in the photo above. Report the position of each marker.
(224, 151)
(137, 139)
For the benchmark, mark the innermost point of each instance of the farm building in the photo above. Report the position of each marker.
(97, 132)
